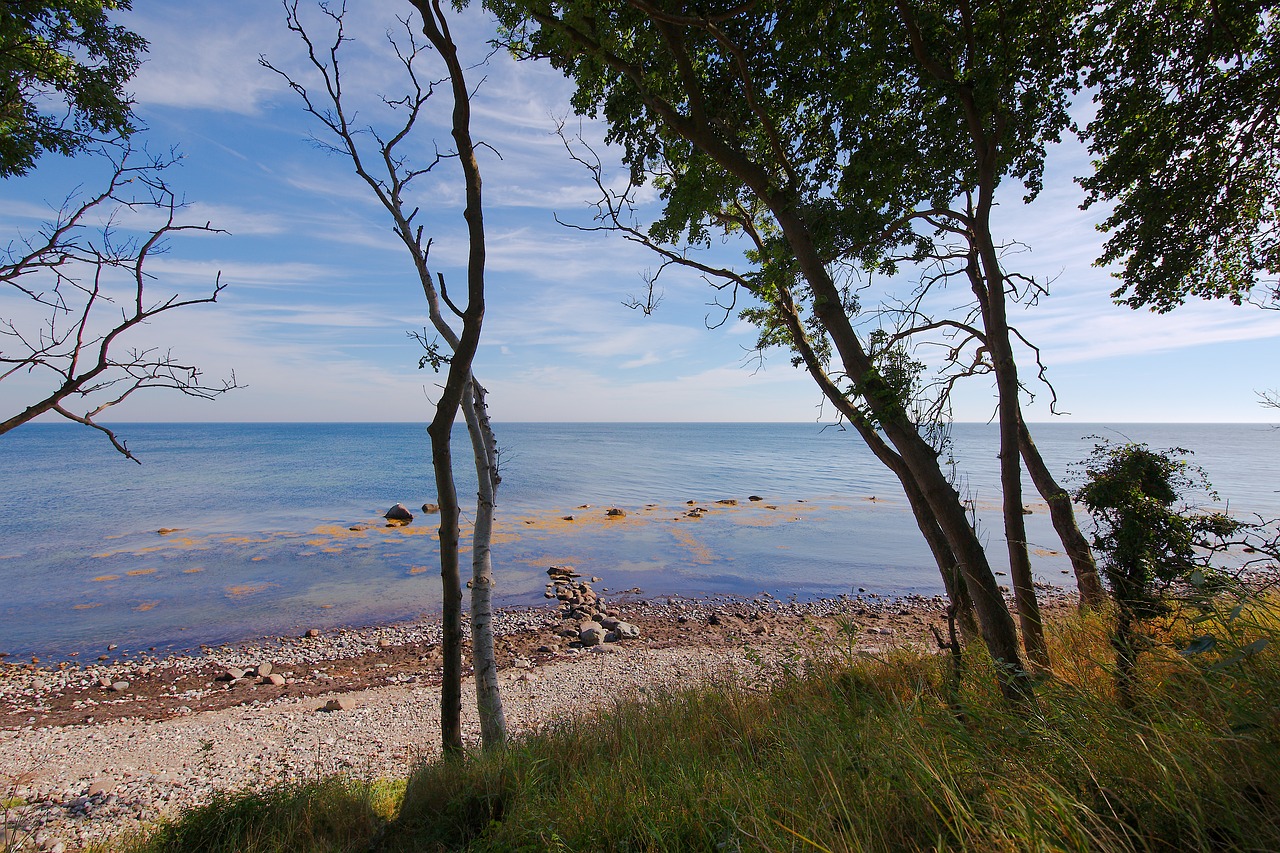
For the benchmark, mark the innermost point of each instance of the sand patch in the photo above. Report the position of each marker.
(417, 570)
(138, 573)
(193, 570)
(702, 555)
(244, 589)
(103, 578)
(86, 606)
(145, 606)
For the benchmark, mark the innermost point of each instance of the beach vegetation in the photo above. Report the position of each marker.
(1157, 548)
(853, 752)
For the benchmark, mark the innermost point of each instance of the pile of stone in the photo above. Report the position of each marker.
(588, 619)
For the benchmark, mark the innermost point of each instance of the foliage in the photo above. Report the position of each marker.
(864, 754)
(63, 68)
(1185, 146)
(1148, 538)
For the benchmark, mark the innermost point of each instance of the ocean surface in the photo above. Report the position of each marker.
(260, 518)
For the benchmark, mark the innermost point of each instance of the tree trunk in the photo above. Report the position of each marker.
(493, 723)
(1088, 582)
(949, 567)
(451, 586)
(988, 282)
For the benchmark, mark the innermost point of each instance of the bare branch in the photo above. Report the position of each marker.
(96, 287)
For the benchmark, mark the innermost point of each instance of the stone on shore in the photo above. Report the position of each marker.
(431, 509)
(614, 512)
(341, 703)
(399, 512)
(591, 633)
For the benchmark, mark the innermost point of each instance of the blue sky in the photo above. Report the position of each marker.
(320, 295)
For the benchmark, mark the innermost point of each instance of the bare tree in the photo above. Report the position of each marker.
(388, 173)
(77, 292)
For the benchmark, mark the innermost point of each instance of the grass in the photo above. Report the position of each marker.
(840, 756)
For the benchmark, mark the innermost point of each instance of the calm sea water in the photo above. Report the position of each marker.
(262, 515)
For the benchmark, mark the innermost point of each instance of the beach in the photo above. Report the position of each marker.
(88, 759)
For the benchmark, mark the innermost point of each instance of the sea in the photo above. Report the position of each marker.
(229, 532)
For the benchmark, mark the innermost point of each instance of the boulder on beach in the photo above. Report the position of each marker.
(430, 509)
(614, 512)
(399, 512)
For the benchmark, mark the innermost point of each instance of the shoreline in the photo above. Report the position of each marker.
(90, 761)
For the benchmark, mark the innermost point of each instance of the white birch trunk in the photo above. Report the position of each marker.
(493, 723)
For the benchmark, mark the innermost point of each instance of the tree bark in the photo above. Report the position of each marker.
(1088, 582)
(493, 723)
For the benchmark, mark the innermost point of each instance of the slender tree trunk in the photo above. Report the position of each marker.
(493, 723)
(451, 585)
(987, 277)
(1088, 582)
(436, 28)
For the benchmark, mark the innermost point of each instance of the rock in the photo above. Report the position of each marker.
(264, 668)
(341, 703)
(627, 631)
(399, 512)
(609, 622)
(104, 682)
(754, 498)
(431, 509)
(274, 678)
(522, 663)
(313, 632)
(120, 686)
(546, 650)
(231, 673)
(713, 619)
(591, 633)
(384, 643)
(558, 573)
(727, 502)
(112, 647)
(614, 512)
(99, 787)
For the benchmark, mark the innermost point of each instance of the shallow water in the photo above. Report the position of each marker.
(262, 512)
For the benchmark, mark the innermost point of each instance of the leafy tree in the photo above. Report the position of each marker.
(1185, 147)
(1149, 538)
(732, 109)
(63, 68)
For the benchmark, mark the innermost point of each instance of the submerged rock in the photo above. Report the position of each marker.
(399, 512)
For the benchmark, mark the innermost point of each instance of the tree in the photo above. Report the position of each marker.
(1149, 542)
(76, 292)
(63, 68)
(719, 106)
(389, 175)
(1185, 147)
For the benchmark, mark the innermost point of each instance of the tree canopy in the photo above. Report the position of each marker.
(63, 68)
(1186, 146)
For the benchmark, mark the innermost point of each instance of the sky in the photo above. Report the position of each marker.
(320, 296)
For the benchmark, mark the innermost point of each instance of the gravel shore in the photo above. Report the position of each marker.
(88, 752)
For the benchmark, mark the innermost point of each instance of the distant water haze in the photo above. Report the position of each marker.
(258, 519)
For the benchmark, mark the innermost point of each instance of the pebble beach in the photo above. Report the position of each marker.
(92, 751)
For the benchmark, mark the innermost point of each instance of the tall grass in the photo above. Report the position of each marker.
(855, 754)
